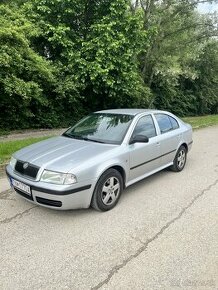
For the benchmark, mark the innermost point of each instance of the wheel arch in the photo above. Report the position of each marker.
(121, 170)
(185, 145)
(117, 167)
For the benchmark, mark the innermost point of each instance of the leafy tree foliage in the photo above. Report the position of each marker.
(60, 59)
(25, 78)
(89, 43)
(206, 83)
(169, 63)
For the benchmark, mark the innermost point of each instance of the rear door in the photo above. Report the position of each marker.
(144, 156)
(170, 136)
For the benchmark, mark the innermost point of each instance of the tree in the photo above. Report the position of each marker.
(23, 72)
(60, 59)
(111, 70)
(206, 85)
(180, 35)
(89, 42)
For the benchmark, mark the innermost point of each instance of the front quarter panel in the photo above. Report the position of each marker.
(96, 166)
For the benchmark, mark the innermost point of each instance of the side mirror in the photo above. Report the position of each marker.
(139, 139)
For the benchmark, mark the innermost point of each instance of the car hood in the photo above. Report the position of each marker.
(61, 153)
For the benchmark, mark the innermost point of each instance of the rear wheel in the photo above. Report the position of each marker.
(179, 160)
(108, 190)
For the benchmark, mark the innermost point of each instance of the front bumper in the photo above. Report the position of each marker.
(60, 197)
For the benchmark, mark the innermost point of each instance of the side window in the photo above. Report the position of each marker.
(164, 123)
(145, 126)
(174, 123)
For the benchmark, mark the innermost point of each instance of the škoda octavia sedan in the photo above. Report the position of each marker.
(93, 161)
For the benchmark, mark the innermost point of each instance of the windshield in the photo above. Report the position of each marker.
(101, 128)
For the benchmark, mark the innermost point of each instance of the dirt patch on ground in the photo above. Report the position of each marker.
(31, 134)
(2, 171)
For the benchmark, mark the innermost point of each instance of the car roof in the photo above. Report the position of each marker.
(132, 112)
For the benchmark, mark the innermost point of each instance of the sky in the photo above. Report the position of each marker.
(206, 7)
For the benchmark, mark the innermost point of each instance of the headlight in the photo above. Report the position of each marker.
(58, 177)
(13, 162)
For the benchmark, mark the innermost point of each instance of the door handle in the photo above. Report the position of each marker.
(158, 143)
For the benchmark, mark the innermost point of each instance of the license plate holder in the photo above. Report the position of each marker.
(21, 186)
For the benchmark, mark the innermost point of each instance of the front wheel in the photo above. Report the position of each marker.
(179, 160)
(108, 190)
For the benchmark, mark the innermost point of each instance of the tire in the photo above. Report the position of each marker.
(107, 190)
(179, 160)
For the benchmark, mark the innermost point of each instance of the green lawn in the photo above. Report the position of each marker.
(9, 147)
(202, 121)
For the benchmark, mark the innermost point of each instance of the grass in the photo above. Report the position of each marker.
(9, 147)
(202, 121)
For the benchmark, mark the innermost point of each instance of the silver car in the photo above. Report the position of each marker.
(93, 161)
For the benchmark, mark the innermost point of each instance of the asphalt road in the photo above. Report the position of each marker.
(163, 234)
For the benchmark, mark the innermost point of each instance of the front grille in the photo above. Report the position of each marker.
(50, 202)
(30, 171)
(23, 194)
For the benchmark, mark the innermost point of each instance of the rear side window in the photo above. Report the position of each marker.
(145, 126)
(166, 123)
(174, 123)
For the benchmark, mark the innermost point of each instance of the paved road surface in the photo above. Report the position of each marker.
(162, 234)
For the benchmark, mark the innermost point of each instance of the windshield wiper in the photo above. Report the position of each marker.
(72, 136)
(66, 135)
(92, 140)
(81, 138)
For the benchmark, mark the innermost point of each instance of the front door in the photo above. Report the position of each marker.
(144, 157)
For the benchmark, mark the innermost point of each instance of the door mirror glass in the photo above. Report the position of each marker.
(139, 139)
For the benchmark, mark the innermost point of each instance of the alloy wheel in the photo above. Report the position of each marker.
(110, 191)
(181, 159)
